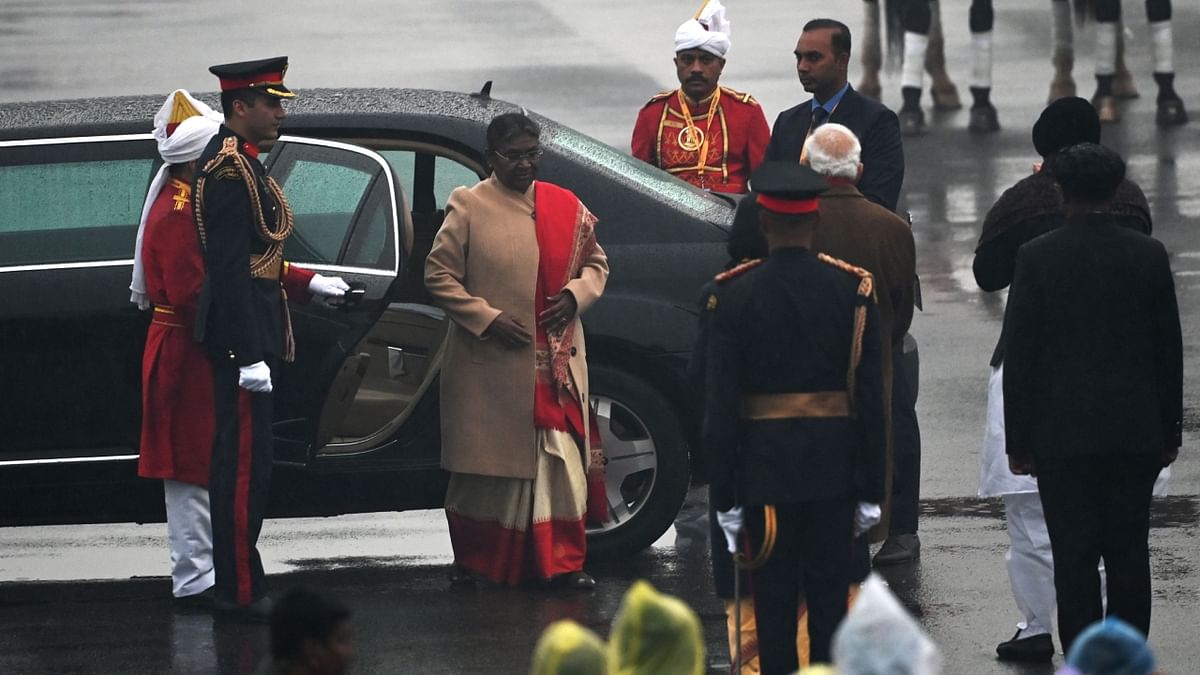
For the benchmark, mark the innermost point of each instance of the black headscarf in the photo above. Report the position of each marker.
(1065, 122)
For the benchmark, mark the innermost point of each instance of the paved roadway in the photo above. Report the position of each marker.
(591, 65)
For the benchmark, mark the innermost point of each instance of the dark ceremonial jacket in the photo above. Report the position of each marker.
(789, 326)
(240, 317)
(1029, 209)
(1093, 361)
(878, 131)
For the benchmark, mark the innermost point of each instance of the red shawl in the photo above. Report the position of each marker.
(566, 237)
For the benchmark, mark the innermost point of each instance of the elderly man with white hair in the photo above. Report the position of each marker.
(709, 135)
(870, 236)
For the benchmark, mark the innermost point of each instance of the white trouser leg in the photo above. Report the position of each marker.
(915, 46)
(1030, 562)
(189, 532)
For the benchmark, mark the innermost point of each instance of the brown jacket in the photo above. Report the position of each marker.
(870, 236)
(484, 261)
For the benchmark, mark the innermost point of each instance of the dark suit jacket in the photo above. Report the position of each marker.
(787, 326)
(878, 131)
(1093, 362)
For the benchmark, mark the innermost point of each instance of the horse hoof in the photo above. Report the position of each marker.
(945, 98)
(870, 89)
(912, 122)
(1170, 113)
(1106, 109)
(1061, 88)
(1123, 86)
(984, 120)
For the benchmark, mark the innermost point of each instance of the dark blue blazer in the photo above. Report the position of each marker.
(878, 131)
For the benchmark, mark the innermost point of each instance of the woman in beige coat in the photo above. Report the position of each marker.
(514, 265)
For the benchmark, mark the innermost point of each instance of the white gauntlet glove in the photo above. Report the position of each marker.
(866, 516)
(255, 377)
(327, 286)
(731, 524)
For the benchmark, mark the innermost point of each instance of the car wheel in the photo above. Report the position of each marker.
(646, 463)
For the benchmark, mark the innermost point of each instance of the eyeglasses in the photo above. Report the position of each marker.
(515, 157)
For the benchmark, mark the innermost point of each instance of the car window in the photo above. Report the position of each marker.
(403, 163)
(69, 203)
(341, 201)
(448, 174)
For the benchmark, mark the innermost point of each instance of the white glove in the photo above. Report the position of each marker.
(731, 524)
(866, 516)
(255, 377)
(327, 286)
(138, 298)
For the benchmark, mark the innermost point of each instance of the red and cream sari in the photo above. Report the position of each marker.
(512, 530)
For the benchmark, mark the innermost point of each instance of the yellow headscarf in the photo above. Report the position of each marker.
(655, 634)
(566, 648)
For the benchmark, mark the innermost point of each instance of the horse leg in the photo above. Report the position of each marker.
(1170, 107)
(916, 18)
(872, 52)
(1063, 53)
(941, 89)
(1108, 15)
(1123, 85)
(983, 114)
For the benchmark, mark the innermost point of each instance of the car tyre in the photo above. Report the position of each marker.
(646, 462)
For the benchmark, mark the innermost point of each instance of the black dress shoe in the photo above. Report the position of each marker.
(1033, 649)
(573, 581)
(898, 550)
(258, 611)
(198, 603)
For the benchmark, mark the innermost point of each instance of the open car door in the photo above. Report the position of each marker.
(350, 221)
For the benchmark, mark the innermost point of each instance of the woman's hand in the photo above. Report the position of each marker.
(509, 331)
(559, 311)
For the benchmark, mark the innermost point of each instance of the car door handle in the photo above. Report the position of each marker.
(352, 298)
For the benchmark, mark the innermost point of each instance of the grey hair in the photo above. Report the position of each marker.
(833, 150)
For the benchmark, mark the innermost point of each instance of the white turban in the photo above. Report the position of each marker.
(710, 31)
(180, 145)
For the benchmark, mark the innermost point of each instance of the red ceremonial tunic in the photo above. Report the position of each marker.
(737, 139)
(177, 388)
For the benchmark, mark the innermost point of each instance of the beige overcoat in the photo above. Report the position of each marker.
(484, 261)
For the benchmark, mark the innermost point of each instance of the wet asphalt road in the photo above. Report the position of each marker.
(591, 65)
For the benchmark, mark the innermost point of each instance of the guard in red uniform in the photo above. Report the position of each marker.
(709, 135)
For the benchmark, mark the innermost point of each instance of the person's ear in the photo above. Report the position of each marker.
(858, 174)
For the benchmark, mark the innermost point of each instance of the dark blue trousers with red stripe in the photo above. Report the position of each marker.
(239, 486)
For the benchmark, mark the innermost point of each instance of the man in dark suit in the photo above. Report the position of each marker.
(822, 57)
(794, 420)
(1093, 389)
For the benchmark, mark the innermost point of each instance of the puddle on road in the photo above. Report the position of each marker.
(1171, 511)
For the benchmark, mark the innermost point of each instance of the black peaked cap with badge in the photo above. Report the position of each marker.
(787, 187)
(264, 76)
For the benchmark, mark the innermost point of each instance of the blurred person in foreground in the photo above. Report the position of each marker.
(310, 635)
(794, 421)
(514, 265)
(1093, 389)
(566, 648)
(879, 637)
(1110, 647)
(1027, 210)
(655, 634)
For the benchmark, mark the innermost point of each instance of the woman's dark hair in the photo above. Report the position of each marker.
(1088, 172)
(508, 126)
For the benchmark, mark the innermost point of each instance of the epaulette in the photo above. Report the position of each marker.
(223, 166)
(735, 272)
(741, 96)
(866, 284)
(660, 96)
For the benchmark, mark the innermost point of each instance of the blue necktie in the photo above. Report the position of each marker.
(819, 116)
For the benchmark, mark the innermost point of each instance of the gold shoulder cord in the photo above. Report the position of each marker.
(284, 220)
(866, 289)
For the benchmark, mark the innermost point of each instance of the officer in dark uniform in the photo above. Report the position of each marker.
(242, 221)
(794, 423)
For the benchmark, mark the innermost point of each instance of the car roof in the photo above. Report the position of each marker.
(133, 114)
